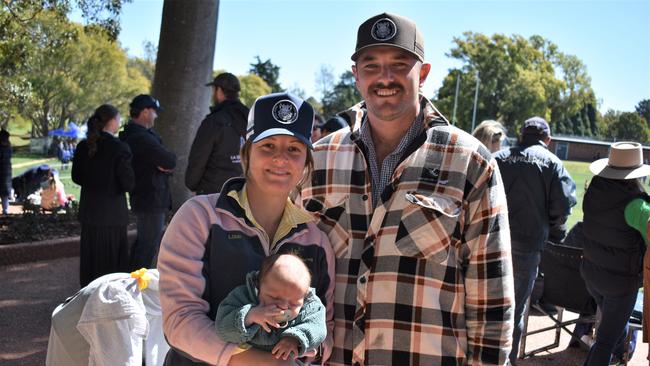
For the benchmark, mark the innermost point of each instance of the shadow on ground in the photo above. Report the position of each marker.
(31, 291)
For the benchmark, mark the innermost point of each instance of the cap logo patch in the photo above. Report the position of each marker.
(285, 112)
(383, 29)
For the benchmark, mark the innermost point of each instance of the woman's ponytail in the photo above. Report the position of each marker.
(96, 123)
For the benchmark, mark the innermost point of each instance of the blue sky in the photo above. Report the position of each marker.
(612, 38)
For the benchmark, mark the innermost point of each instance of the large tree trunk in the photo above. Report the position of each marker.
(188, 33)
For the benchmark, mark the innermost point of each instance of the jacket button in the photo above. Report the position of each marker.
(362, 279)
(364, 197)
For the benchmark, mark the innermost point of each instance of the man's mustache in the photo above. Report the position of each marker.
(384, 86)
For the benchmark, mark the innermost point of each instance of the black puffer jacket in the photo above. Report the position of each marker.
(613, 251)
(214, 156)
(5, 170)
(540, 194)
(151, 193)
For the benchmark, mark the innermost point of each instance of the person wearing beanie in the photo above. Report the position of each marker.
(214, 155)
(416, 213)
(540, 196)
(215, 240)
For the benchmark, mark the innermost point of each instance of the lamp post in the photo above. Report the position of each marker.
(478, 80)
(453, 117)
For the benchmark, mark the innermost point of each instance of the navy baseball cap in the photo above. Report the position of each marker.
(536, 126)
(143, 101)
(335, 123)
(280, 114)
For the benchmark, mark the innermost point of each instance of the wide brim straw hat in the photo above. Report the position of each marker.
(625, 161)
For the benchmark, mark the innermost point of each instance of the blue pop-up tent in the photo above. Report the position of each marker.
(73, 131)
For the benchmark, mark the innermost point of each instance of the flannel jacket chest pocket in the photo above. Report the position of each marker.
(333, 214)
(429, 225)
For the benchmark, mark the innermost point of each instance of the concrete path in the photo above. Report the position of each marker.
(30, 292)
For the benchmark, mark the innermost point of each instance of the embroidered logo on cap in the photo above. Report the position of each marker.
(383, 29)
(285, 112)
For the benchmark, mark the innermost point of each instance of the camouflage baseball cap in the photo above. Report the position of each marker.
(388, 29)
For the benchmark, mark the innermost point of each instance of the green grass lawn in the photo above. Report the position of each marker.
(581, 175)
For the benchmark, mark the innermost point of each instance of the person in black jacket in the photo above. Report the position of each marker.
(540, 194)
(214, 156)
(102, 167)
(153, 163)
(5, 170)
(616, 211)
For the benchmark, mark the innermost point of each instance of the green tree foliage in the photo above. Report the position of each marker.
(146, 65)
(325, 79)
(643, 109)
(608, 120)
(98, 13)
(268, 71)
(69, 72)
(342, 96)
(519, 78)
(318, 107)
(630, 126)
(54, 71)
(252, 87)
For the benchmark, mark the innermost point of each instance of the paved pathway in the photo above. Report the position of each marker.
(29, 292)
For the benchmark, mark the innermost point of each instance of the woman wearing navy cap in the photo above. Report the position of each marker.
(214, 240)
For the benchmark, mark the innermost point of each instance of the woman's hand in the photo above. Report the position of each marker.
(286, 348)
(265, 316)
(258, 358)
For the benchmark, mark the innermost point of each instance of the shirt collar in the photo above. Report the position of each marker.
(291, 217)
(412, 132)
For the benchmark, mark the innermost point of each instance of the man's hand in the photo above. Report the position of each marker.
(286, 348)
(265, 316)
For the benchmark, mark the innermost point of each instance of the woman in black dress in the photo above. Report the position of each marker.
(5, 170)
(102, 167)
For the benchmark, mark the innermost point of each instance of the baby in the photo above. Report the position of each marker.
(275, 310)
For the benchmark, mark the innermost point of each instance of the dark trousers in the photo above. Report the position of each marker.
(524, 268)
(150, 231)
(615, 313)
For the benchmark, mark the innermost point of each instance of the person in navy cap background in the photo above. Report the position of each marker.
(333, 124)
(214, 240)
(152, 163)
(540, 196)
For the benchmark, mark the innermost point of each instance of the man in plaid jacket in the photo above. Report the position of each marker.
(416, 212)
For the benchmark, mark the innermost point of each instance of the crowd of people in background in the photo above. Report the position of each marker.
(63, 149)
(421, 242)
